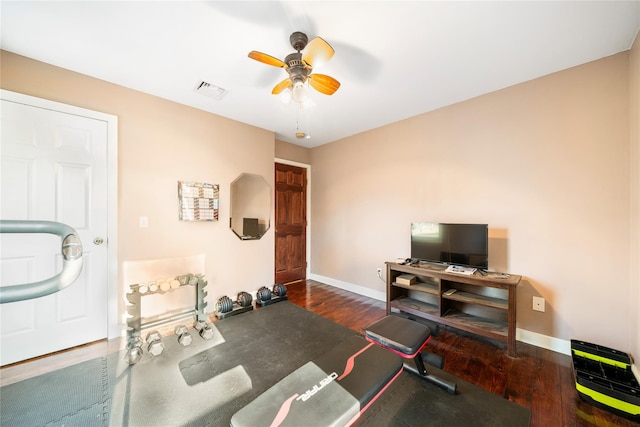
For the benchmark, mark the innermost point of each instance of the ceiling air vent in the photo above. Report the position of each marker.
(212, 91)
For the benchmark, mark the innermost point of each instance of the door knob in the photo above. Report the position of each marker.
(98, 241)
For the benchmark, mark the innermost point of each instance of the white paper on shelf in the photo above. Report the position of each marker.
(467, 271)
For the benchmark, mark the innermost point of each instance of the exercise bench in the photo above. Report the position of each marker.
(406, 338)
(331, 390)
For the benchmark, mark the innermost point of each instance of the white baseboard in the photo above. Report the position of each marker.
(357, 289)
(550, 343)
(539, 340)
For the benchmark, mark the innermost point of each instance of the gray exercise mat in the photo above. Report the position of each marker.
(205, 383)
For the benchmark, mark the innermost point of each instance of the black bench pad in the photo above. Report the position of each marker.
(331, 390)
(399, 334)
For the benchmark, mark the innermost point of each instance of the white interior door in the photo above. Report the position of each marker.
(53, 168)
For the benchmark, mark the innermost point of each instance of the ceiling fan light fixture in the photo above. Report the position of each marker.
(285, 96)
(299, 92)
(299, 66)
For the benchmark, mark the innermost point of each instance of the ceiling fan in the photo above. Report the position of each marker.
(300, 65)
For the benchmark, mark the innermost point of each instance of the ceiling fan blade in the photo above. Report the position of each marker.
(324, 84)
(267, 59)
(317, 52)
(281, 86)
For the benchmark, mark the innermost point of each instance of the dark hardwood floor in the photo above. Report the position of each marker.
(539, 379)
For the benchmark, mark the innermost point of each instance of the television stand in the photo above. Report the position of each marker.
(480, 304)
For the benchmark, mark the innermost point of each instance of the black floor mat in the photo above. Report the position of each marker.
(205, 383)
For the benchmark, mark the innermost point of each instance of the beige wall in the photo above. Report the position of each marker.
(159, 143)
(544, 163)
(292, 152)
(634, 115)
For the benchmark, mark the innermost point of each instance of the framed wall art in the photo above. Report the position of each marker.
(198, 201)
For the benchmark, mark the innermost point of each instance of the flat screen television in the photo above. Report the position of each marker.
(250, 227)
(458, 244)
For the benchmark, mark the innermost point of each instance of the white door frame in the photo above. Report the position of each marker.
(115, 328)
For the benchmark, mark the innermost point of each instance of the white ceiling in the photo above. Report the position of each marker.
(394, 59)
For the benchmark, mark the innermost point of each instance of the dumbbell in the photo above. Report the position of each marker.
(244, 299)
(163, 284)
(279, 289)
(187, 279)
(224, 305)
(184, 337)
(263, 294)
(134, 350)
(153, 287)
(204, 329)
(155, 347)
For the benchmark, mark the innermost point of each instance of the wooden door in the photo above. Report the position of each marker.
(290, 223)
(54, 168)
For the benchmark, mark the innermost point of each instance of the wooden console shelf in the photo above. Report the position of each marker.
(481, 304)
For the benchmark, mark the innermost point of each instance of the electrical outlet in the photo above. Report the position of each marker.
(379, 270)
(538, 304)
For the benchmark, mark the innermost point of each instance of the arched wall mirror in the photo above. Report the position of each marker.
(250, 206)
